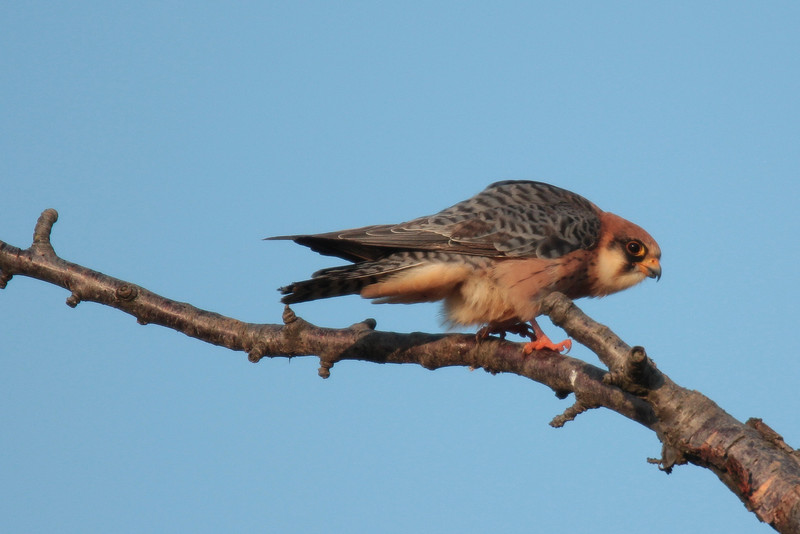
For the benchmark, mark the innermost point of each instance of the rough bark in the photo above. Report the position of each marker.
(750, 458)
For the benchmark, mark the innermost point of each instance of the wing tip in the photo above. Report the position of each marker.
(283, 238)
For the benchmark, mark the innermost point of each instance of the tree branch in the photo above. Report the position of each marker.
(750, 458)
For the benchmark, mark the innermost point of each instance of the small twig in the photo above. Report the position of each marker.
(43, 228)
(570, 414)
(638, 374)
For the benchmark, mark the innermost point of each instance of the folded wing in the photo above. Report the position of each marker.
(507, 219)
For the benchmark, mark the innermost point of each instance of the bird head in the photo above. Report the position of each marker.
(626, 255)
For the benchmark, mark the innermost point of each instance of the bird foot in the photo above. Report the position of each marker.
(521, 329)
(539, 341)
(544, 343)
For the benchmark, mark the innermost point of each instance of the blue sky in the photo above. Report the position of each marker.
(172, 139)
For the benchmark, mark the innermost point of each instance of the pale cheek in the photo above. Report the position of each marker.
(611, 276)
(626, 280)
(607, 270)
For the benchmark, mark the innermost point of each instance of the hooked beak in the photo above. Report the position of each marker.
(651, 268)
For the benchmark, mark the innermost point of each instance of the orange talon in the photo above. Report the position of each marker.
(546, 344)
(542, 342)
(539, 341)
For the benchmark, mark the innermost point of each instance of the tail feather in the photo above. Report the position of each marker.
(344, 280)
(440, 272)
(316, 289)
(322, 288)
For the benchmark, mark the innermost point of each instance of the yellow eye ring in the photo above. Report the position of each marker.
(635, 249)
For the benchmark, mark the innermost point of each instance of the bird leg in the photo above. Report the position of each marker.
(521, 329)
(540, 341)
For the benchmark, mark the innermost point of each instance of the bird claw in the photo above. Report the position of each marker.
(546, 344)
(520, 329)
(539, 341)
(486, 333)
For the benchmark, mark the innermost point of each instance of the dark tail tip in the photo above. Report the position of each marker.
(290, 297)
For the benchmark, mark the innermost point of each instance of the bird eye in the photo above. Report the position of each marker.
(635, 249)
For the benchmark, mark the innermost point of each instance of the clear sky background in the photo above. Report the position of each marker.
(172, 137)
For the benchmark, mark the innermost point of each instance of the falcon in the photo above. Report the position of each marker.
(491, 259)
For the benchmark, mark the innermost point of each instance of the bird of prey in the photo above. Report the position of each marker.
(491, 258)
